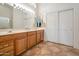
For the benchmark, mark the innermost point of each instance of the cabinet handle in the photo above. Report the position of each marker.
(6, 45)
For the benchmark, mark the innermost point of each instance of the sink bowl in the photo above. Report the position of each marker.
(3, 33)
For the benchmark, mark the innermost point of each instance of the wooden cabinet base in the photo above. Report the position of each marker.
(19, 42)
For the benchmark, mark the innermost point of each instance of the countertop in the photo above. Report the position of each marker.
(13, 31)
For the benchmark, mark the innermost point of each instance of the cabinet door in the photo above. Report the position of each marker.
(20, 45)
(42, 35)
(38, 36)
(31, 39)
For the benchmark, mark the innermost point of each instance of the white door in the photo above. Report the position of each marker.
(52, 27)
(66, 27)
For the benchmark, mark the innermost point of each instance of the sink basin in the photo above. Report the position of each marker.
(4, 33)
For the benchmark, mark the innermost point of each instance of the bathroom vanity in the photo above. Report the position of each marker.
(16, 42)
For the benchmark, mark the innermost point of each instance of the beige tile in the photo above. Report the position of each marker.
(51, 49)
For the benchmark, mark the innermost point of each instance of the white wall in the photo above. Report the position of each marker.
(51, 7)
(55, 7)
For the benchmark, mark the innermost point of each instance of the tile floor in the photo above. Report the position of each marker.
(51, 49)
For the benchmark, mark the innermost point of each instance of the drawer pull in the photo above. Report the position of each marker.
(5, 45)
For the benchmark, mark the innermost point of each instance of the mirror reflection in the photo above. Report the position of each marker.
(4, 22)
(19, 16)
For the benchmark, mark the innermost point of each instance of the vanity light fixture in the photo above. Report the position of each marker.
(25, 8)
(21, 7)
(34, 5)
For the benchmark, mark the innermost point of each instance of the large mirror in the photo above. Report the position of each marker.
(14, 16)
(6, 16)
(4, 22)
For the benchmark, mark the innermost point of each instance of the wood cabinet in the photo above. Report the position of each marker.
(31, 39)
(20, 43)
(15, 44)
(40, 36)
(6, 45)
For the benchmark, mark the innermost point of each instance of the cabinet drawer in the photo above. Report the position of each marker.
(10, 53)
(20, 35)
(6, 38)
(6, 44)
(6, 50)
(31, 33)
(9, 48)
